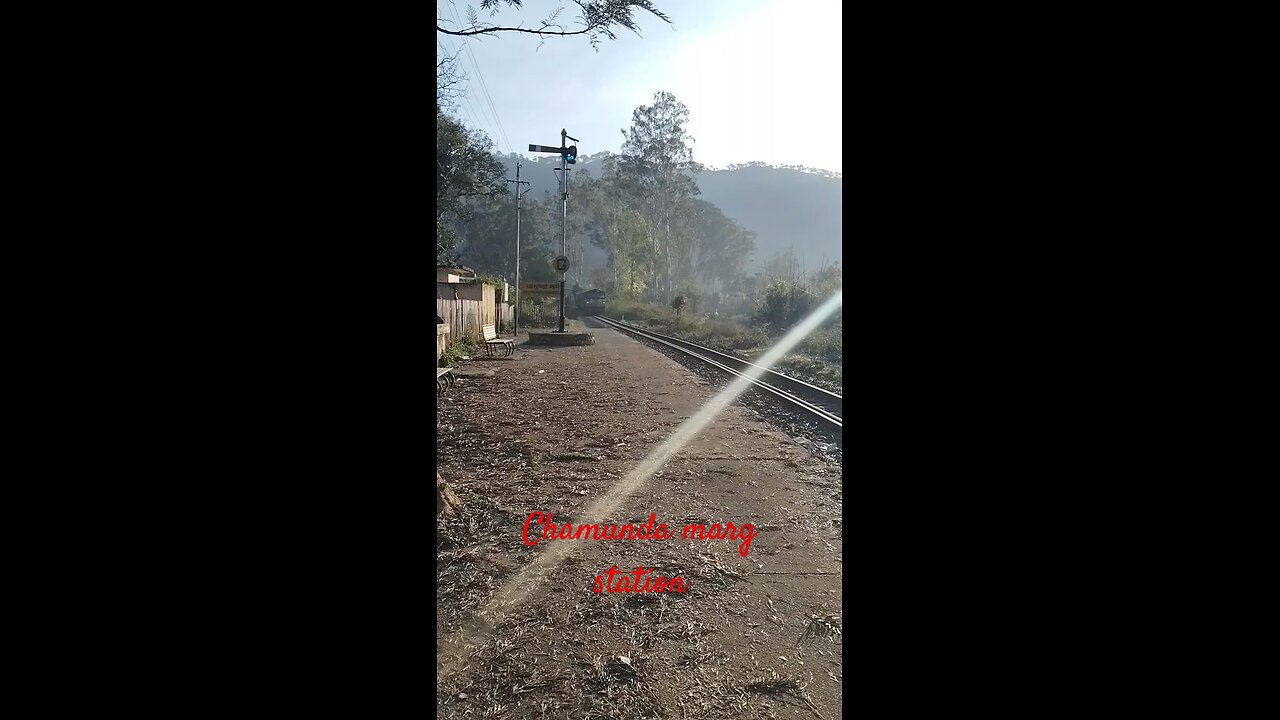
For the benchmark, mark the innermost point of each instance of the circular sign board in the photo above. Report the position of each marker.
(562, 264)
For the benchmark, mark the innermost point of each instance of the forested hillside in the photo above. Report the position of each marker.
(647, 224)
(794, 209)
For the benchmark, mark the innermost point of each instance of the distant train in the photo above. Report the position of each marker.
(589, 302)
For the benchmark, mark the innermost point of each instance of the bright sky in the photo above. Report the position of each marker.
(755, 89)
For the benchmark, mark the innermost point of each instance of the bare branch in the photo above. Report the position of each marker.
(495, 29)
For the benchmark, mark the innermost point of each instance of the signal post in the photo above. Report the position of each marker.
(568, 156)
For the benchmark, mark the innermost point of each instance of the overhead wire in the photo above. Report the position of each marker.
(477, 119)
(484, 88)
(465, 45)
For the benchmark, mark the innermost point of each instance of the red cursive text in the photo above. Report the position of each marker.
(624, 582)
(591, 531)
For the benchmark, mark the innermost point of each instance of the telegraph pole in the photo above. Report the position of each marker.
(519, 195)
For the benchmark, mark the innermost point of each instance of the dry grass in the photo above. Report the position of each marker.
(827, 626)
(570, 653)
(775, 684)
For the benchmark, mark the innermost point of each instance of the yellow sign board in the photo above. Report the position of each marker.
(540, 288)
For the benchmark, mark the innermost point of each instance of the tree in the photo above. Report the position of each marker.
(583, 215)
(677, 302)
(542, 246)
(445, 242)
(656, 167)
(599, 18)
(449, 85)
(631, 250)
(783, 266)
(723, 246)
(827, 281)
(695, 300)
(486, 238)
(465, 168)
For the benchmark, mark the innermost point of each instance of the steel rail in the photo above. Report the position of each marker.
(770, 381)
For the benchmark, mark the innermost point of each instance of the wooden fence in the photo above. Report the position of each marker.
(442, 340)
(465, 307)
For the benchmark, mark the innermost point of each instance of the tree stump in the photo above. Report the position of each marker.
(447, 502)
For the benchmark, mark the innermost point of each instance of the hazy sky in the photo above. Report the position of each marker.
(755, 88)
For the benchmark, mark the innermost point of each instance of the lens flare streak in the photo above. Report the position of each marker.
(518, 589)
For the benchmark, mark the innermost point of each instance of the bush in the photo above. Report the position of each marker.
(827, 344)
(457, 348)
(725, 335)
(539, 311)
(751, 338)
(638, 311)
(784, 304)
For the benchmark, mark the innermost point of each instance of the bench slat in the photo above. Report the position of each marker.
(491, 338)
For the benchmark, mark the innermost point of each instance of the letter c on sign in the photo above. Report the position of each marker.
(524, 533)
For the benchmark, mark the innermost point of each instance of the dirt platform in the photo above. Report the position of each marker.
(554, 431)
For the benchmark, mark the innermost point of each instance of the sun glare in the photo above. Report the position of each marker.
(511, 595)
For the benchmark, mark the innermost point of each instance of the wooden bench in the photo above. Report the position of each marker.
(491, 339)
(444, 379)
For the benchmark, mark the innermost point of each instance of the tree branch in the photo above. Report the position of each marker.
(495, 29)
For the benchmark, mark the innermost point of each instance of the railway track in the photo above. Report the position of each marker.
(815, 401)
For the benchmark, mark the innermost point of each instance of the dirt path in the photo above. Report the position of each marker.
(756, 636)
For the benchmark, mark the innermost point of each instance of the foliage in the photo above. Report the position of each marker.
(826, 282)
(539, 311)
(487, 237)
(783, 266)
(693, 299)
(445, 242)
(784, 209)
(655, 171)
(825, 343)
(639, 311)
(812, 369)
(659, 240)
(728, 336)
(599, 18)
(458, 347)
(629, 242)
(491, 279)
(465, 168)
(817, 357)
(723, 246)
(784, 304)
(790, 295)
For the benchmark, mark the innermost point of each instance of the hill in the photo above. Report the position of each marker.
(789, 208)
